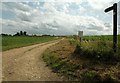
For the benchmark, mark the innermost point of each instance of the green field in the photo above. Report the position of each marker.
(9, 42)
(103, 37)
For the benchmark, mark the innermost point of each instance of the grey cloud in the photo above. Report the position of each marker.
(24, 17)
(95, 27)
(107, 25)
(18, 6)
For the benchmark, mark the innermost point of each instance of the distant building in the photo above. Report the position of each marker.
(80, 33)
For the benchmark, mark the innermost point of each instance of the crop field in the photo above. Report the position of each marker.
(102, 38)
(9, 42)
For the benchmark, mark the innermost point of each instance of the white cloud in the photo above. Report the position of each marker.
(51, 21)
(50, 7)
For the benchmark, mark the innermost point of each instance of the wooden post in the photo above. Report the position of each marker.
(115, 27)
(114, 8)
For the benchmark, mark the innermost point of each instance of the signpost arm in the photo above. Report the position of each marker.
(109, 9)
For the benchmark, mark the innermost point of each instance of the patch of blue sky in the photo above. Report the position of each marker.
(7, 15)
(59, 8)
(74, 9)
(74, 6)
(74, 12)
(0, 13)
(36, 5)
(86, 5)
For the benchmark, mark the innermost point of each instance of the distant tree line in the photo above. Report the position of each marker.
(21, 33)
(24, 33)
(5, 34)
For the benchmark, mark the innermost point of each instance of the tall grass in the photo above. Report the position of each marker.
(97, 48)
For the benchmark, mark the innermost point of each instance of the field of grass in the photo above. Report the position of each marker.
(9, 42)
(103, 38)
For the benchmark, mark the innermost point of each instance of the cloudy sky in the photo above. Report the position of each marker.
(58, 17)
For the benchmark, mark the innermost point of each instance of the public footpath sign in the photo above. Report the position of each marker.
(116, 9)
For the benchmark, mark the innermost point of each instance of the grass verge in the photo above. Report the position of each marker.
(61, 59)
(60, 65)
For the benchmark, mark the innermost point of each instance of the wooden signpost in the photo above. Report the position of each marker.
(114, 8)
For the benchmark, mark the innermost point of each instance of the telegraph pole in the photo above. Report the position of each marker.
(114, 8)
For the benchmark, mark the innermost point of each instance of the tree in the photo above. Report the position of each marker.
(21, 33)
(17, 34)
(25, 33)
